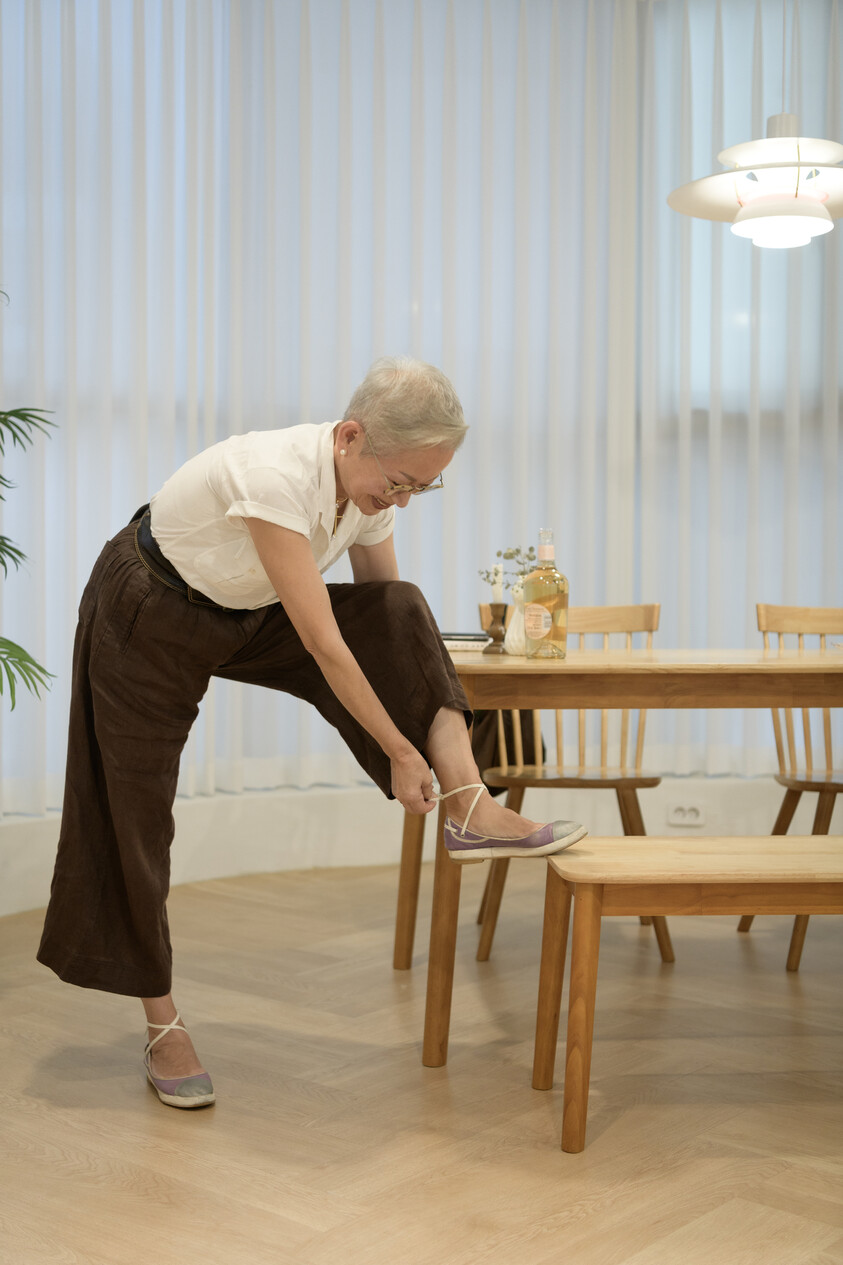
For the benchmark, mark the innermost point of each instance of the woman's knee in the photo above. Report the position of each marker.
(385, 613)
(402, 603)
(404, 594)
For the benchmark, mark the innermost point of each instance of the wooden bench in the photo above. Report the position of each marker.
(652, 876)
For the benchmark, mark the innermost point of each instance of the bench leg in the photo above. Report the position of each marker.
(585, 949)
(409, 877)
(557, 908)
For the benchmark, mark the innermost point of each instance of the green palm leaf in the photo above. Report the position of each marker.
(16, 665)
(20, 425)
(9, 552)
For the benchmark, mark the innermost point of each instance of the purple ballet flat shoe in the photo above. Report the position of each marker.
(179, 1091)
(466, 845)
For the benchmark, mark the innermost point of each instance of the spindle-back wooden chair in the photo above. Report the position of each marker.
(803, 741)
(616, 739)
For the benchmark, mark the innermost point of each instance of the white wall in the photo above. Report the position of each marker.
(224, 835)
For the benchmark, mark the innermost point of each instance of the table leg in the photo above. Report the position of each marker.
(585, 949)
(557, 908)
(409, 879)
(443, 945)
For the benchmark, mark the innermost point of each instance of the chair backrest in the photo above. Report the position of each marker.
(816, 624)
(599, 628)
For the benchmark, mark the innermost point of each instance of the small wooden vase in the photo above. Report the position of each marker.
(496, 629)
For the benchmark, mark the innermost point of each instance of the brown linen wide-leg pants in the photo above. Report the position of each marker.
(142, 660)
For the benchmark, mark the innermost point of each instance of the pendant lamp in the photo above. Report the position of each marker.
(779, 192)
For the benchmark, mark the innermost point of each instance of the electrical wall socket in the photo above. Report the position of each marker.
(685, 815)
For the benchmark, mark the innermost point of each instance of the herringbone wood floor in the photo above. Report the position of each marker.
(715, 1126)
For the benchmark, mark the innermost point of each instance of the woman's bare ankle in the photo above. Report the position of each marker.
(458, 802)
(172, 1054)
(489, 816)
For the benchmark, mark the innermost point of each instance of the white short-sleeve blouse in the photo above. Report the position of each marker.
(284, 476)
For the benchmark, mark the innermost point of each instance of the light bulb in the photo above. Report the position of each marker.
(780, 223)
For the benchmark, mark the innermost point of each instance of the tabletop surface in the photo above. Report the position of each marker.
(654, 678)
(767, 859)
(475, 662)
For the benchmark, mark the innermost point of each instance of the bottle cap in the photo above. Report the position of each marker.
(546, 551)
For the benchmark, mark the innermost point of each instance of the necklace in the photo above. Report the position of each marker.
(338, 513)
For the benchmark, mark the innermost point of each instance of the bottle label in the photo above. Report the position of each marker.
(538, 621)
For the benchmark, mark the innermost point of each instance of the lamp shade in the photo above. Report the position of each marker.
(794, 184)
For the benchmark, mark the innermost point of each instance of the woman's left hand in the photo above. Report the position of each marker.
(412, 782)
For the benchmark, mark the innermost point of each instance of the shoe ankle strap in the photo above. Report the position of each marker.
(480, 787)
(175, 1024)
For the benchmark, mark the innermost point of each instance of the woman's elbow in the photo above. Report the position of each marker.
(326, 647)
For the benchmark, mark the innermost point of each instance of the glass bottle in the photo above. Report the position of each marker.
(546, 604)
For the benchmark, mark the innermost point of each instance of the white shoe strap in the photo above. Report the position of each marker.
(165, 1028)
(480, 787)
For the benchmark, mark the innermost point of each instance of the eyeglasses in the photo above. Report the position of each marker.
(396, 489)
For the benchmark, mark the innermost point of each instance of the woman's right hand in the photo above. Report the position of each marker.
(412, 782)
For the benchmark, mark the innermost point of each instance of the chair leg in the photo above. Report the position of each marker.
(493, 892)
(822, 825)
(785, 817)
(628, 828)
(788, 808)
(498, 870)
(481, 909)
(633, 824)
(630, 818)
(663, 939)
(409, 877)
(823, 815)
(623, 805)
(797, 940)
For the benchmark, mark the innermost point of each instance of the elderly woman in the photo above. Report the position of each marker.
(221, 576)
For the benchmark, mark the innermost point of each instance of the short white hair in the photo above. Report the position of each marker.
(406, 403)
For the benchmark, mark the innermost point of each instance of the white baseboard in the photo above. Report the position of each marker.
(252, 833)
(222, 835)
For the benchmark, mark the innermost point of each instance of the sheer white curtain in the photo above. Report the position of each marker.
(216, 213)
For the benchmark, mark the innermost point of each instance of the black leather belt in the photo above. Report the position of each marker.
(146, 547)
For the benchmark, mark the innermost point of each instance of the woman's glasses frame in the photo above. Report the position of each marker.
(396, 489)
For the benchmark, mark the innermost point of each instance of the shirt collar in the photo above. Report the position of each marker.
(328, 484)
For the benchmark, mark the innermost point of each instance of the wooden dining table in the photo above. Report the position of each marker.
(698, 679)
